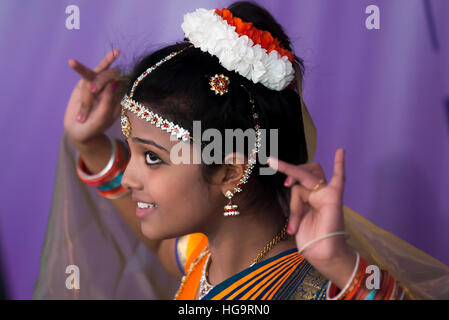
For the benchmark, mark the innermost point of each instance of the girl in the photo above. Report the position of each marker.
(225, 229)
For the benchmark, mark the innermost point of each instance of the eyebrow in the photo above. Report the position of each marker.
(149, 142)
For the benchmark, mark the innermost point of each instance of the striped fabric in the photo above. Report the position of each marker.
(286, 276)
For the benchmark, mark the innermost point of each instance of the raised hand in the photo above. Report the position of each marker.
(93, 107)
(316, 209)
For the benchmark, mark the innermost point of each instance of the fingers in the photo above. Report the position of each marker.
(88, 74)
(298, 207)
(108, 59)
(297, 172)
(86, 103)
(82, 70)
(314, 168)
(95, 81)
(103, 78)
(106, 106)
(339, 177)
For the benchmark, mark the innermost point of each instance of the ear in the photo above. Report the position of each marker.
(232, 171)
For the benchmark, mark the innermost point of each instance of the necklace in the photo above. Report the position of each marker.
(205, 286)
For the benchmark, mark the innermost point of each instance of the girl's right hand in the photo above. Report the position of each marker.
(93, 107)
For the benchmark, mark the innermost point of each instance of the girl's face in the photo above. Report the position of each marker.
(185, 203)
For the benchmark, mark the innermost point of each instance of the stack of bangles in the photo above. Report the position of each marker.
(108, 181)
(357, 286)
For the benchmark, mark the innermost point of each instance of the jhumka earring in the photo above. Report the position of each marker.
(231, 209)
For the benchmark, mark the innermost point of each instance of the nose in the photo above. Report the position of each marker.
(130, 176)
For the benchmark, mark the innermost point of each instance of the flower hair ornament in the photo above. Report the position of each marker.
(240, 47)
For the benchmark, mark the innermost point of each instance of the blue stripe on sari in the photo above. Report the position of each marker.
(267, 291)
(178, 261)
(262, 277)
(225, 284)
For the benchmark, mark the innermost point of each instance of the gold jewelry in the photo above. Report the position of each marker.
(205, 286)
(219, 84)
(128, 103)
(280, 236)
(231, 209)
(318, 184)
(125, 123)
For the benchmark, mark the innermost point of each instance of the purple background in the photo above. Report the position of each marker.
(383, 95)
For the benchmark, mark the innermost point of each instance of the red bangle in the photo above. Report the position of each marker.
(353, 285)
(358, 280)
(120, 161)
(114, 193)
(390, 287)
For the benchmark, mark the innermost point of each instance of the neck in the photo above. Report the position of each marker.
(238, 240)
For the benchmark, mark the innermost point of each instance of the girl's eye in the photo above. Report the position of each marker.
(151, 158)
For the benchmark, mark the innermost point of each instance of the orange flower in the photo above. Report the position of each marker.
(263, 38)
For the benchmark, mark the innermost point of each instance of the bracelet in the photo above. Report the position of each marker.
(323, 237)
(92, 179)
(386, 287)
(391, 287)
(355, 290)
(393, 291)
(353, 280)
(108, 181)
(113, 189)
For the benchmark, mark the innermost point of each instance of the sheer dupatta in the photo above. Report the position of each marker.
(87, 238)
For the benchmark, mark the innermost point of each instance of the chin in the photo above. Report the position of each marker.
(151, 232)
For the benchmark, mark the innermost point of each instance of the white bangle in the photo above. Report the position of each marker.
(105, 169)
(321, 238)
(347, 284)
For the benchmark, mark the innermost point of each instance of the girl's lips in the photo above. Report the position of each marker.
(142, 213)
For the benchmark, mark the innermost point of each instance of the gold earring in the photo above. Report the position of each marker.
(126, 125)
(230, 209)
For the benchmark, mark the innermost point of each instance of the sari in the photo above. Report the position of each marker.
(286, 276)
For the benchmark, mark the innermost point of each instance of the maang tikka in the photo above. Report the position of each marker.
(231, 209)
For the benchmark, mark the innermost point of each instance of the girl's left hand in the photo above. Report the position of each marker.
(316, 208)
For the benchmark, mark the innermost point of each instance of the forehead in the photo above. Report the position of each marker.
(145, 130)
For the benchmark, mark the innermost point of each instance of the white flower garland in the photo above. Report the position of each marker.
(208, 31)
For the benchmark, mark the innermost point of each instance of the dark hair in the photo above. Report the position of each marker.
(179, 90)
